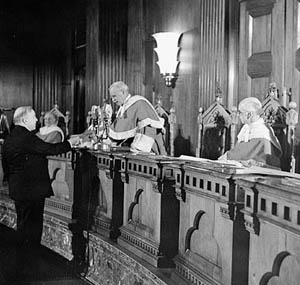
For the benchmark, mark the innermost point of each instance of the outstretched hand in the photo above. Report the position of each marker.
(74, 141)
(88, 135)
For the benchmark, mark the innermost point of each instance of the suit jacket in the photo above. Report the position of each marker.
(26, 158)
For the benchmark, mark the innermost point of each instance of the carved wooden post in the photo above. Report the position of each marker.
(42, 118)
(292, 121)
(67, 120)
(200, 129)
(172, 121)
(233, 126)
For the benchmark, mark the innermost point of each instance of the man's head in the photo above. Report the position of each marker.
(51, 118)
(25, 116)
(250, 110)
(118, 92)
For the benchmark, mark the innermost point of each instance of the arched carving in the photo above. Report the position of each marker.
(134, 203)
(192, 229)
(282, 260)
(55, 171)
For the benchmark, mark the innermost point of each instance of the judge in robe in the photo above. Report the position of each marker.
(257, 144)
(137, 124)
(51, 132)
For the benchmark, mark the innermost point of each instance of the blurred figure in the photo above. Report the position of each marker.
(4, 131)
(4, 126)
(51, 132)
(257, 144)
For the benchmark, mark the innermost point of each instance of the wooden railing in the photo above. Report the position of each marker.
(208, 223)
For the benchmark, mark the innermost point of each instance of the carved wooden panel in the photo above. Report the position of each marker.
(258, 8)
(261, 46)
(297, 62)
(260, 65)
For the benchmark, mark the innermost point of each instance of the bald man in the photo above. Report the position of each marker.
(257, 143)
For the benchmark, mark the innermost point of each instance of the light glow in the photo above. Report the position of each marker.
(167, 51)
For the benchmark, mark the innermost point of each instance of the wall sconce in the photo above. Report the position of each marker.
(167, 51)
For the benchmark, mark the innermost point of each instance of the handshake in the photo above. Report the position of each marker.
(86, 139)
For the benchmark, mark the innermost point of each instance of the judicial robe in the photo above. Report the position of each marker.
(257, 142)
(137, 116)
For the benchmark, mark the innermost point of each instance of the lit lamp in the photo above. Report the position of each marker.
(167, 51)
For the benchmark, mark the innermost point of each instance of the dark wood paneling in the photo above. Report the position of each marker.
(47, 87)
(260, 65)
(262, 39)
(15, 80)
(257, 8)
(92, 54)
(106, 48)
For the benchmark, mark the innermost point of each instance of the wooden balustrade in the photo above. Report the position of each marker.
(272, 216)
(58, 212)
(210, 221)
(213, 223)
(108, 216)
(150, 220)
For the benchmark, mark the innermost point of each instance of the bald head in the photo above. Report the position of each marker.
(118, 92)
(25, 116)
(251, 104)
(250, 110)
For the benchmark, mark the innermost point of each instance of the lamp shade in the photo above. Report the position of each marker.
(167, 51)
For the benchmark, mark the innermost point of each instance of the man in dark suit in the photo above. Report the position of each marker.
(28, 177)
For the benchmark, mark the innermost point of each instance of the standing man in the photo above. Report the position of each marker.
(28, 177)
(257, 143)
(137, 124)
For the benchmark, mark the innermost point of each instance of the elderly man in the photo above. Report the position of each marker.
(257, 143)
(137, 124)
(28, 177)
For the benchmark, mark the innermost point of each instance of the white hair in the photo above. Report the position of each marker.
(251, 104)
(21, 113)
(120, 85)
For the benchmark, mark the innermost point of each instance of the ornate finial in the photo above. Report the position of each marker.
(200, 128)
(234, 117)
(67, 120)
(200, 117)
(272, 91)
(159, 99)
(218, 93)
(292, 115)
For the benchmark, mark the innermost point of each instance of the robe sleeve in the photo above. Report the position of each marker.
(260, 150)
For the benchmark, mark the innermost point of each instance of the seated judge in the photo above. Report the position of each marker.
(51, 132)
(257, 144)
(137, 124)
